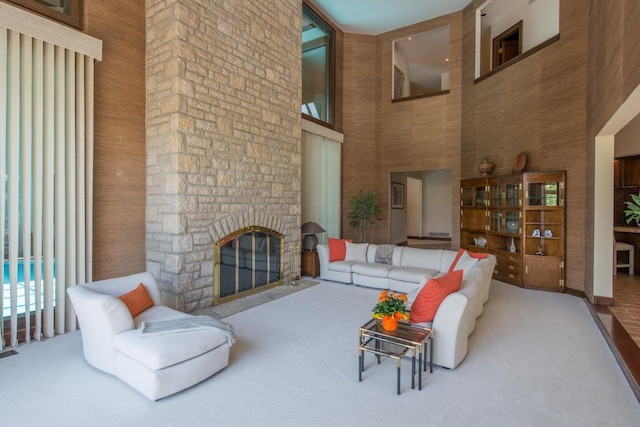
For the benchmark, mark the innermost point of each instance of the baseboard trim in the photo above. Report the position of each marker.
(575, 292)
(607, 301)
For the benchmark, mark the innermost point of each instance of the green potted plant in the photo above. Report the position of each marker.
(633, 211)
(363, 210)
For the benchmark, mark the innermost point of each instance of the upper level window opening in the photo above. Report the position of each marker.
(317, 67)
(66, 11)
(421, 64)
(507, 29)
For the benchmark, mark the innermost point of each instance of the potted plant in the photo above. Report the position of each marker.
(390, 308)
(364, 208)
(633, 213)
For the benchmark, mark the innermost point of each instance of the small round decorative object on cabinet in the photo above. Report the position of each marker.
(389, 323)
(485, 167)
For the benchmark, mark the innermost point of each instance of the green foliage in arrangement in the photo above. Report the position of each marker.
(363, 211)
(633, 211)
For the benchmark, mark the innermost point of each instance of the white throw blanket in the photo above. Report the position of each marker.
(187, 323)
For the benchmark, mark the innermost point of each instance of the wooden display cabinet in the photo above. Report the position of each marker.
(544, 234)
(505, 211)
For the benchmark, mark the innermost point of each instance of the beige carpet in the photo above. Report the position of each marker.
(535, 359)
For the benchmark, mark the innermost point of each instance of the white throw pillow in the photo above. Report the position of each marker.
(465, 262)
(356, 252)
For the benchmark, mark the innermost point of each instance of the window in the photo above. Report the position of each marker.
(317, 67)
(67, 11)
(421, 64)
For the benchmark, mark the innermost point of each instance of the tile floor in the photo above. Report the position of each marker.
(626, 308)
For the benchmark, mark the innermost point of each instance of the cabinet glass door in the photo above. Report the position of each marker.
(505, 195)
(544, 194)
(474, 196)
(505, 222)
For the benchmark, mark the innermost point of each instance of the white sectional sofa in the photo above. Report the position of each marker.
(410, 268)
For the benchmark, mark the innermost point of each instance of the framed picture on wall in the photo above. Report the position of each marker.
(397, 195)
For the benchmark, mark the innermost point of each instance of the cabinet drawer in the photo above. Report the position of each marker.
(505, 275)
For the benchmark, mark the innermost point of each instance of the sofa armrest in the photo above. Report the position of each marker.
(101, 318)
(323, 256)
(450, 331)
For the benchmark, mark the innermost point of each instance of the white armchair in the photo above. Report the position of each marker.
(157, 366)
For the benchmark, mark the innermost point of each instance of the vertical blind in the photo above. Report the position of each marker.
(321, 179)
(46, 162)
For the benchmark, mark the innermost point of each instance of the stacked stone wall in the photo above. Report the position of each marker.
(223, 132)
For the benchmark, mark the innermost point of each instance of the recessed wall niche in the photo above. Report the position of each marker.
(421, 64)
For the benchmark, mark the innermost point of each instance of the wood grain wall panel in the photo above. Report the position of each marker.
(359, 111)
(119, 159)
(418, 134)
(536, 105)
(613, 63)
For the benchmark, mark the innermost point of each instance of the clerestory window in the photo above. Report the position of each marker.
(317, 67)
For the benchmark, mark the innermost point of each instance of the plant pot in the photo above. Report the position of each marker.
(389, 323)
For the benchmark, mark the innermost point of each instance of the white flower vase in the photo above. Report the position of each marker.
(512, 247)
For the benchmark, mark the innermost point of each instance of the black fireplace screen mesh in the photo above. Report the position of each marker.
(248, 261)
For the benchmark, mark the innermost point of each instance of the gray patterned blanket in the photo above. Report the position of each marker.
(187, 323)
(384, 254)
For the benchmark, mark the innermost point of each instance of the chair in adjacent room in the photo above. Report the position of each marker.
(624, 247)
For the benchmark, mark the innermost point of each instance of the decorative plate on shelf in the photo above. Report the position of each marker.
(520, 162)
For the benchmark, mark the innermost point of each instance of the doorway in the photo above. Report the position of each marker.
(427, 210)
(507, 45)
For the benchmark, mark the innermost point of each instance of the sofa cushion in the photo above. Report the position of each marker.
(426, 304)
(341, 266)
(167, 350)
(475, 256)
(356, 252)
(137, 300)
(464, 262)
(422, 258)
(411, 274)
(372, 269)
(337, 249)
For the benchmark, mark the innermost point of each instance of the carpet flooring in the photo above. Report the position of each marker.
(535, 359)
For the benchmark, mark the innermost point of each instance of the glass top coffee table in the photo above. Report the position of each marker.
(395, 344)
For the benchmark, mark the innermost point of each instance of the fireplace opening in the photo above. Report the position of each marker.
(247, 261)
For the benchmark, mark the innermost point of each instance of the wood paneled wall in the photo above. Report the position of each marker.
(418, 134)
(537, 106)
(613, 73)
(120, 166)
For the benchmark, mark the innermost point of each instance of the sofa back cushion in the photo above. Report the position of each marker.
(356, 252)
(422, 258)
(465, 260)
(426, 304)
(371, 252)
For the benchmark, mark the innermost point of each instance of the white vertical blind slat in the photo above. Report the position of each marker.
(26, 121)
(70, 189)
(89, 94)
(3, 151)
(48, 188)
(13, 159)
(38, 125)
(60, 205)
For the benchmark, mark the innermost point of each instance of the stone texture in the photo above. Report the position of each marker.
(223, 137)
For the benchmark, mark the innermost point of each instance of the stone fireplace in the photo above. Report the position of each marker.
(223, 140)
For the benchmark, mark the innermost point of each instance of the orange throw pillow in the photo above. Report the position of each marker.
(471, 254)
(426, 304)
(337, 249)
(137, 300)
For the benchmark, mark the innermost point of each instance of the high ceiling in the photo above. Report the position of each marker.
(375, 17)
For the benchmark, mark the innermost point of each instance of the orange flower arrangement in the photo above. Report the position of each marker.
(390, 304)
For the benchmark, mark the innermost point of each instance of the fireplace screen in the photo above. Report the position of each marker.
(247, 261)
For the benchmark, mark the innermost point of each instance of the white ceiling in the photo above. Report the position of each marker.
(375, 17)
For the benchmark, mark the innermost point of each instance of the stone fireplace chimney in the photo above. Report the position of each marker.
(223, 135)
